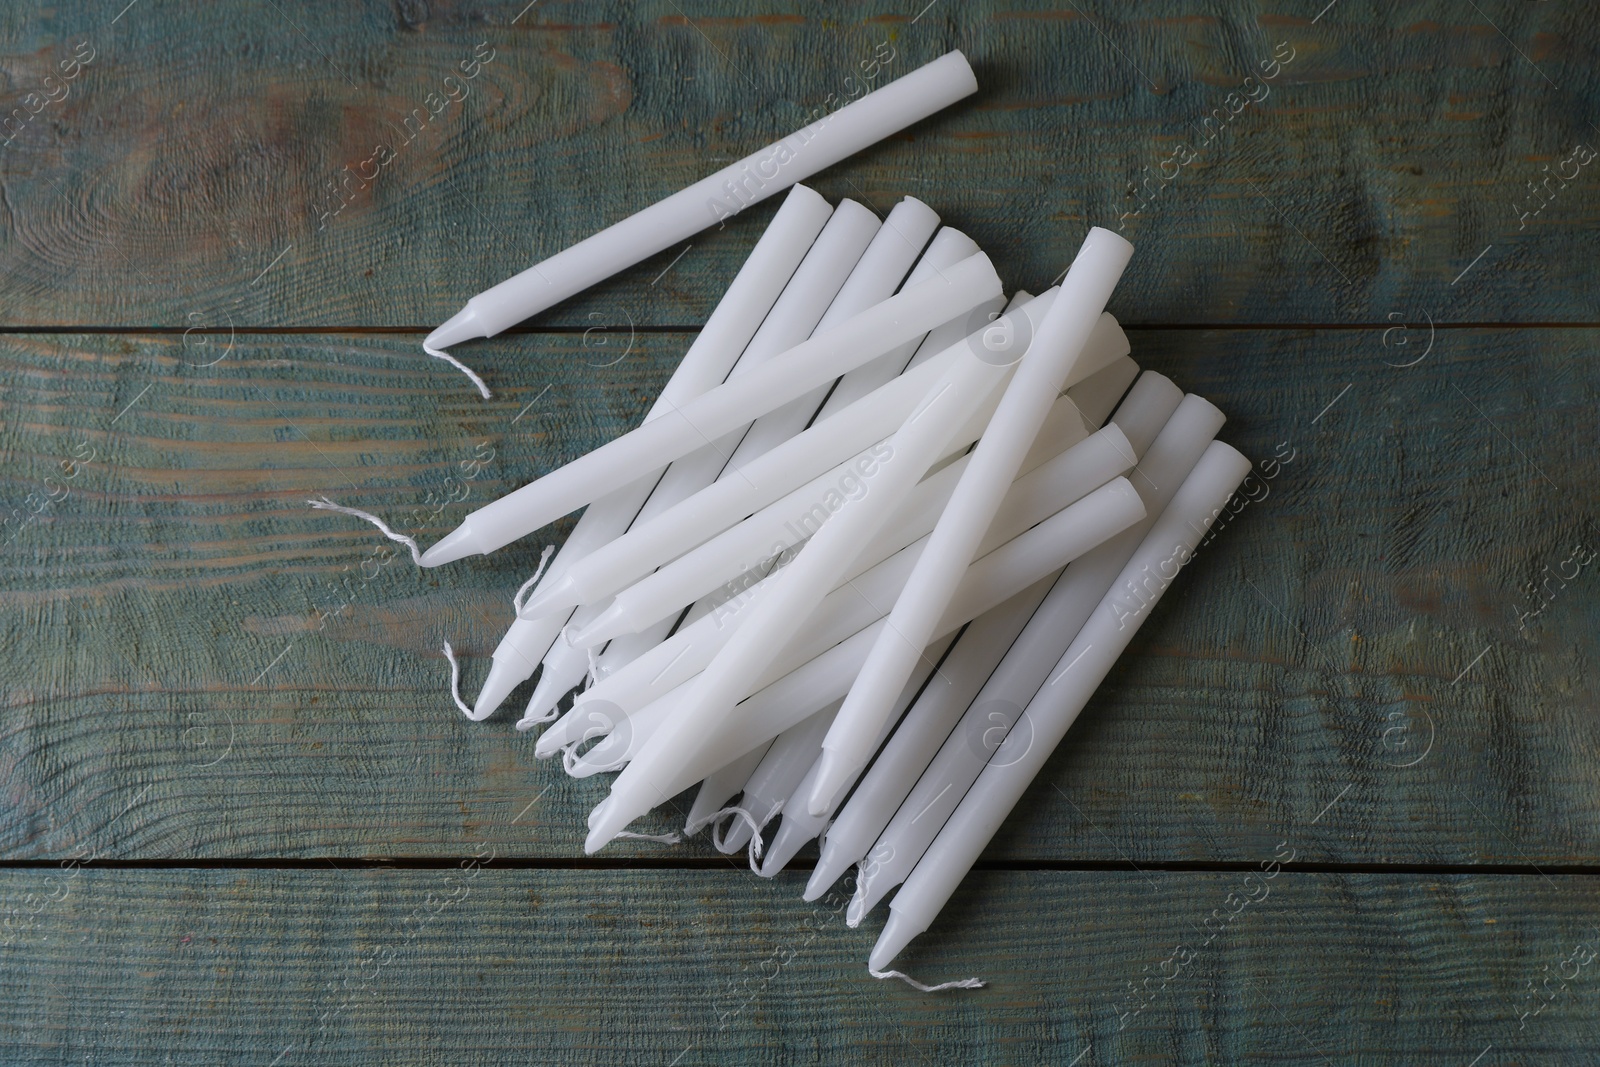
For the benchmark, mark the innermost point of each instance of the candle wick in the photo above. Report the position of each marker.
(324, 504)
(455, 680)
(439, 353)
(965, 983)
(665, 839)
(520, 599)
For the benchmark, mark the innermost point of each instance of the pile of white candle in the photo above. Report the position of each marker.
(874, 515)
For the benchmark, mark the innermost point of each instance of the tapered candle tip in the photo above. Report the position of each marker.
(457, 544)
(830, 865)
(897, 934)
(551, 596)
(462, 326)
(611, 623)
(501, 681)
(832, 776)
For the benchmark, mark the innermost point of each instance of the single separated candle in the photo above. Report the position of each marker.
(713, 199)
(793, 319)
(782, 611)
(1136, 589)
(713, 413)
(1172, 456)
(727, 332)
(1060, 341)
(883, 788)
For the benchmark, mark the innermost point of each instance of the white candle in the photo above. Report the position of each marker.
(1148, 407)
(782, 526)
(656, 443)
(990, 581)
(792, 320)
(947, 248)
(719, 787)
(1041, 375)
(1027, 665)
(893, 773)
(780, 771)
(799, 825)
(782, 610)
(713, 199)
(738, 316)
(1099, 393)
(1134, 591)
(873, 580)
(878, 271)
(843, 438)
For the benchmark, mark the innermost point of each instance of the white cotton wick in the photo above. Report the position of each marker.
(439, 353)
(965, 983)
(324, 504)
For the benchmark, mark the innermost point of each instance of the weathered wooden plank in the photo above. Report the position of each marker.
(358, 967)
(194, 170)
(181, 681)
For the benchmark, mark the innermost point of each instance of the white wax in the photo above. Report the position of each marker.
(990, 581)
(878, 273)
(898, 767)
(1176, 450)
(1099, 393)
(715, 198)
(660, 441)
(780, 527)
(783, 610)
(719, 787)
(842, 438)
(779, 772)
(799, 825)
(914, 742)
(947, 248)
(870, 584)
(738, 316)
(1042, 374)
(792, 320)
(1133, 591)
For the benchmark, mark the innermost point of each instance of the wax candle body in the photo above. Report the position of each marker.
(947, 248)
(883, 789)
(874, 579)
(989, 582)
(719, 787)
(1026, 666)
(799, 825)
(779, 772)
(792, 320)
(877, 273)
(751, 295)
(780, 527)
(660, 441)
(1041, 376)
(783, 609)
(1090, 657)
(713, 199)
(844, 437)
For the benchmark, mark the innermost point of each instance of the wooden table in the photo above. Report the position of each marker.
(239, 809)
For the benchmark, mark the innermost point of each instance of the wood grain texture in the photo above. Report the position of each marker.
(426, 967)
(181, 680)
(183, 176)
